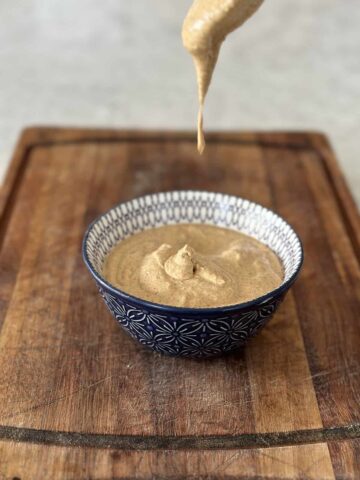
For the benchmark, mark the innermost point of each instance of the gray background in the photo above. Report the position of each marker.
(295, 65)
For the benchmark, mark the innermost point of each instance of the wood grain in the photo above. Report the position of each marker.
(297, 462)
(346, 459)
(69, 376)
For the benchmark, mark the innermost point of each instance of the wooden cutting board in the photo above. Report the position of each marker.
(79, 399)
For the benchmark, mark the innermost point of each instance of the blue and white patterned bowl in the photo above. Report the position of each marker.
(191, 332)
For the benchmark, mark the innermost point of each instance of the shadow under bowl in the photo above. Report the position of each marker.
(191, 332)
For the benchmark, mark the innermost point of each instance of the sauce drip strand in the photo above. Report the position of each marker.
(205, 27)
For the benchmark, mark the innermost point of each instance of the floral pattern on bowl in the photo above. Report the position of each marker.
(191, 332)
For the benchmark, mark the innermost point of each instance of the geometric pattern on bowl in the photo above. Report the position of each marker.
(191, 332)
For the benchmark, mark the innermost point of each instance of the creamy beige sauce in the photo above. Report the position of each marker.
(206, 25)
(193, 266)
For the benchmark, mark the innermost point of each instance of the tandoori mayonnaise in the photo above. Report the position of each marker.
(193, 266)
(206, 25)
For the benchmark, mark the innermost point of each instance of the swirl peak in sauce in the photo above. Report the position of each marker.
(193, 265)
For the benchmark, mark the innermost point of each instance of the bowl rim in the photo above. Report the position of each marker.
(191, 310)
